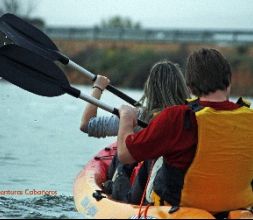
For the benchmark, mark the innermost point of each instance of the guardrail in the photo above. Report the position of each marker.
(201, 36)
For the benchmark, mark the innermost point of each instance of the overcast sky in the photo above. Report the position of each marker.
(228, 14)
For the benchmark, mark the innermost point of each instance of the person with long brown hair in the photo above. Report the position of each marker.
(164, 87)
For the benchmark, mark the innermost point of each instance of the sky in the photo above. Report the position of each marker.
(197, 14)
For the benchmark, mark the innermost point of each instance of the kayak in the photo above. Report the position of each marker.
(91, 202)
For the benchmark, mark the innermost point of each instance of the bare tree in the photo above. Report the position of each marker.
(24, 9)
(120, 22)
(31, 7)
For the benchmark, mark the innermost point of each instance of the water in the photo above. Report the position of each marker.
(42, 148)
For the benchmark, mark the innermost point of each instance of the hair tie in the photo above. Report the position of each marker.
(97, 87)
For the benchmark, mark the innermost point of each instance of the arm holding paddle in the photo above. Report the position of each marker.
(99, 126)
(91, 110)
(128, 120)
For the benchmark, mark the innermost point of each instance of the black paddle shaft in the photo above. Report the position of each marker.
(23, 34)
(41, 76)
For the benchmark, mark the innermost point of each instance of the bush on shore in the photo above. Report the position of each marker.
(129, 67)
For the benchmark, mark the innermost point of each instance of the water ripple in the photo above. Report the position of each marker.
(46, 207)
(8, 158)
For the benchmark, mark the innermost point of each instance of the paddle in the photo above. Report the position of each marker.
(41, 76)
(21, 33)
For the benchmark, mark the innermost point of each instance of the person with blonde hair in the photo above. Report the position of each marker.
(164, 87)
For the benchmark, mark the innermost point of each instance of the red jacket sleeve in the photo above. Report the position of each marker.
(165, 135)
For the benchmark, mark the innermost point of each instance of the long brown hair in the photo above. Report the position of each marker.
(164, 87)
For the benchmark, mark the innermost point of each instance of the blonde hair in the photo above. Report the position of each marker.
(164, 87)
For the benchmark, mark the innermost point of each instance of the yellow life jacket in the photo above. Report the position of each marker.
(220, 176)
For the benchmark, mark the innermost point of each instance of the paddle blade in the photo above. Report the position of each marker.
(4, 40)
(29, 31)
(16, 31)
(31, 72)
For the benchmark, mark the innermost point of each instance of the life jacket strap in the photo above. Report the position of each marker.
(243, 102)
(194, 104)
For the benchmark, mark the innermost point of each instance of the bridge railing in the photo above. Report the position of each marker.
(173, 35)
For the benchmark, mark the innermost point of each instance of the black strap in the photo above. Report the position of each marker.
(221, 215)
(194, 106)
(187, 120)
(241, 102)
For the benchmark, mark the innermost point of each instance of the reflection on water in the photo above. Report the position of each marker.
(18, 180)
(7, 158)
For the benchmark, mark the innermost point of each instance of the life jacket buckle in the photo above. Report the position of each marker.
(98, 195)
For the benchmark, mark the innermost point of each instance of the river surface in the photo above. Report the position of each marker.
(42, 149)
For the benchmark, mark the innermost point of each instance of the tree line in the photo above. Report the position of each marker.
(129, 66)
